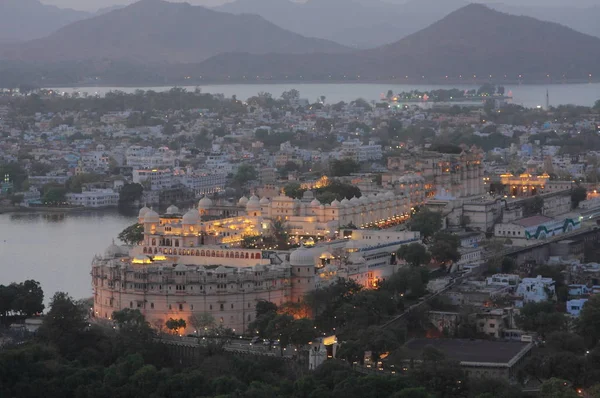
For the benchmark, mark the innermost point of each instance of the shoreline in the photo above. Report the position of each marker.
(51, 210)
(316, 82)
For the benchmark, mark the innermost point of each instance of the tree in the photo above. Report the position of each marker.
(290, 95)
(588, 324)
(54, 195)
(557, 388)
(293, 190)
(202, 321)
(132, 235)
(64, 322)
(427, 222)
(343, 167)
(415, 254)
(533, 206)
(445, 248)
(245, 173)
(597, 105)
(174, 325)
(130, 193)
(486, 89)
(133, 328)
(412, 392)
(578, 194)
(501, 90)
(29, 299)
(541, 318)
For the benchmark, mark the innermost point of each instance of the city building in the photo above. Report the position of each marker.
(537, 228)
(95, 198)
(535, 290)
(184, 266)
(575, 306)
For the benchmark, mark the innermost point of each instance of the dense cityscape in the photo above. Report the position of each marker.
(416, 246)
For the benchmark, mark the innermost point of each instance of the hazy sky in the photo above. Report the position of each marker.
(92, 5)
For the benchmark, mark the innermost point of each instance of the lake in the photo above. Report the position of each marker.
(530, 96)
(56, 250)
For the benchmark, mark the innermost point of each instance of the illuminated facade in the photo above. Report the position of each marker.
(184, 267)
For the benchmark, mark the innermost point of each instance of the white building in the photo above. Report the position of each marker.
(95, 198)
(535, 290)
(575, 306)
(149, 158)
(155, 179)
(355, 150)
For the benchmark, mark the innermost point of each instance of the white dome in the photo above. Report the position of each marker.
(151, 216)
(191, 217)
(344, 202)
(302, 257)
(354, 200)
(356, 258)
(264, 201)
(389, 194)
(243, 201)
(205, 203)
(172, 209)
(253, 203)
(335, 203)
(315, 202)
(112, 251)
(143, 211)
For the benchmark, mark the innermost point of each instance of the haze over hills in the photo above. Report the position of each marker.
(155, 31)
(361, 25)
(29, 19)
(472, 41)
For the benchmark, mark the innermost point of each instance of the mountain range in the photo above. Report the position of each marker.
(158, 41)
(156, 31)
(474, 41)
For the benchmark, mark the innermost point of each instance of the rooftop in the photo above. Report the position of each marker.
(481, 351)
(532, 221)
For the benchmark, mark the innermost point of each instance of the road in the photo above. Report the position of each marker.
(234, 345)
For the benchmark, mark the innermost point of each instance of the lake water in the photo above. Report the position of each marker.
(56, 250)
(530, 96)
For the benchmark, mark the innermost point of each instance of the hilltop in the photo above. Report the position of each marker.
(155, 31)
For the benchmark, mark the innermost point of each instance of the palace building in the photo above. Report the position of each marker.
(185, 266)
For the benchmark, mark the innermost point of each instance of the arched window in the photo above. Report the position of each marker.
(202, 253)
(222, 254)
(177, 243)
(237, 254)
(252, 256)
(198, 253)
(212, 254)
(155, 251)
(153, 241)
(226, 254)
(246, 255)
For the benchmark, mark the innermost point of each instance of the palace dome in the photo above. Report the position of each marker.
(151, 216)
(191, 217)
(243, 201)
(253, 203)
(344, 202)
(315, 202)
(143, 211)
(172, 209)
(112, 251)
(264, 201)
(335, 203)
(205, 203)
(302, 257)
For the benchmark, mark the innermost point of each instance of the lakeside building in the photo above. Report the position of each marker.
(95, 198)
(184, 267)
(537, 228)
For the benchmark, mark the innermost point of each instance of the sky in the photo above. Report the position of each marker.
(93, 5)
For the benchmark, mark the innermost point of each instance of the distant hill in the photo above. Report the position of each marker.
(155, 31)
(22, 20)
(361, 24)
(472, 41)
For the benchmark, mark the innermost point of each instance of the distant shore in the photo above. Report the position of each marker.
(53, 210)
(246, 82)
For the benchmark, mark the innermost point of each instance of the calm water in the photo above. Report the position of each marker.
(526, 95)
(56, 250)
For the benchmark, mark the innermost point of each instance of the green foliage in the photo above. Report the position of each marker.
(26, 298)
(293, 190)
(589, 321)
(541, 318)
(415, 254)
(16, 174)
(132, 235)
(63, 323)
(444, 248)
(533, 206)
(427, 222)
(578, 194)
(343, 167)
(54, 196)
(130, 193)
(557, 388)
(175, 325)
(245, 173)
(75, 184)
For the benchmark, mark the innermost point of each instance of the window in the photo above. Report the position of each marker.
(221, 307)
(492, 325)
(231, 306)
(152, 305)
(170, 307)
(131, 304)
(210, 306)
